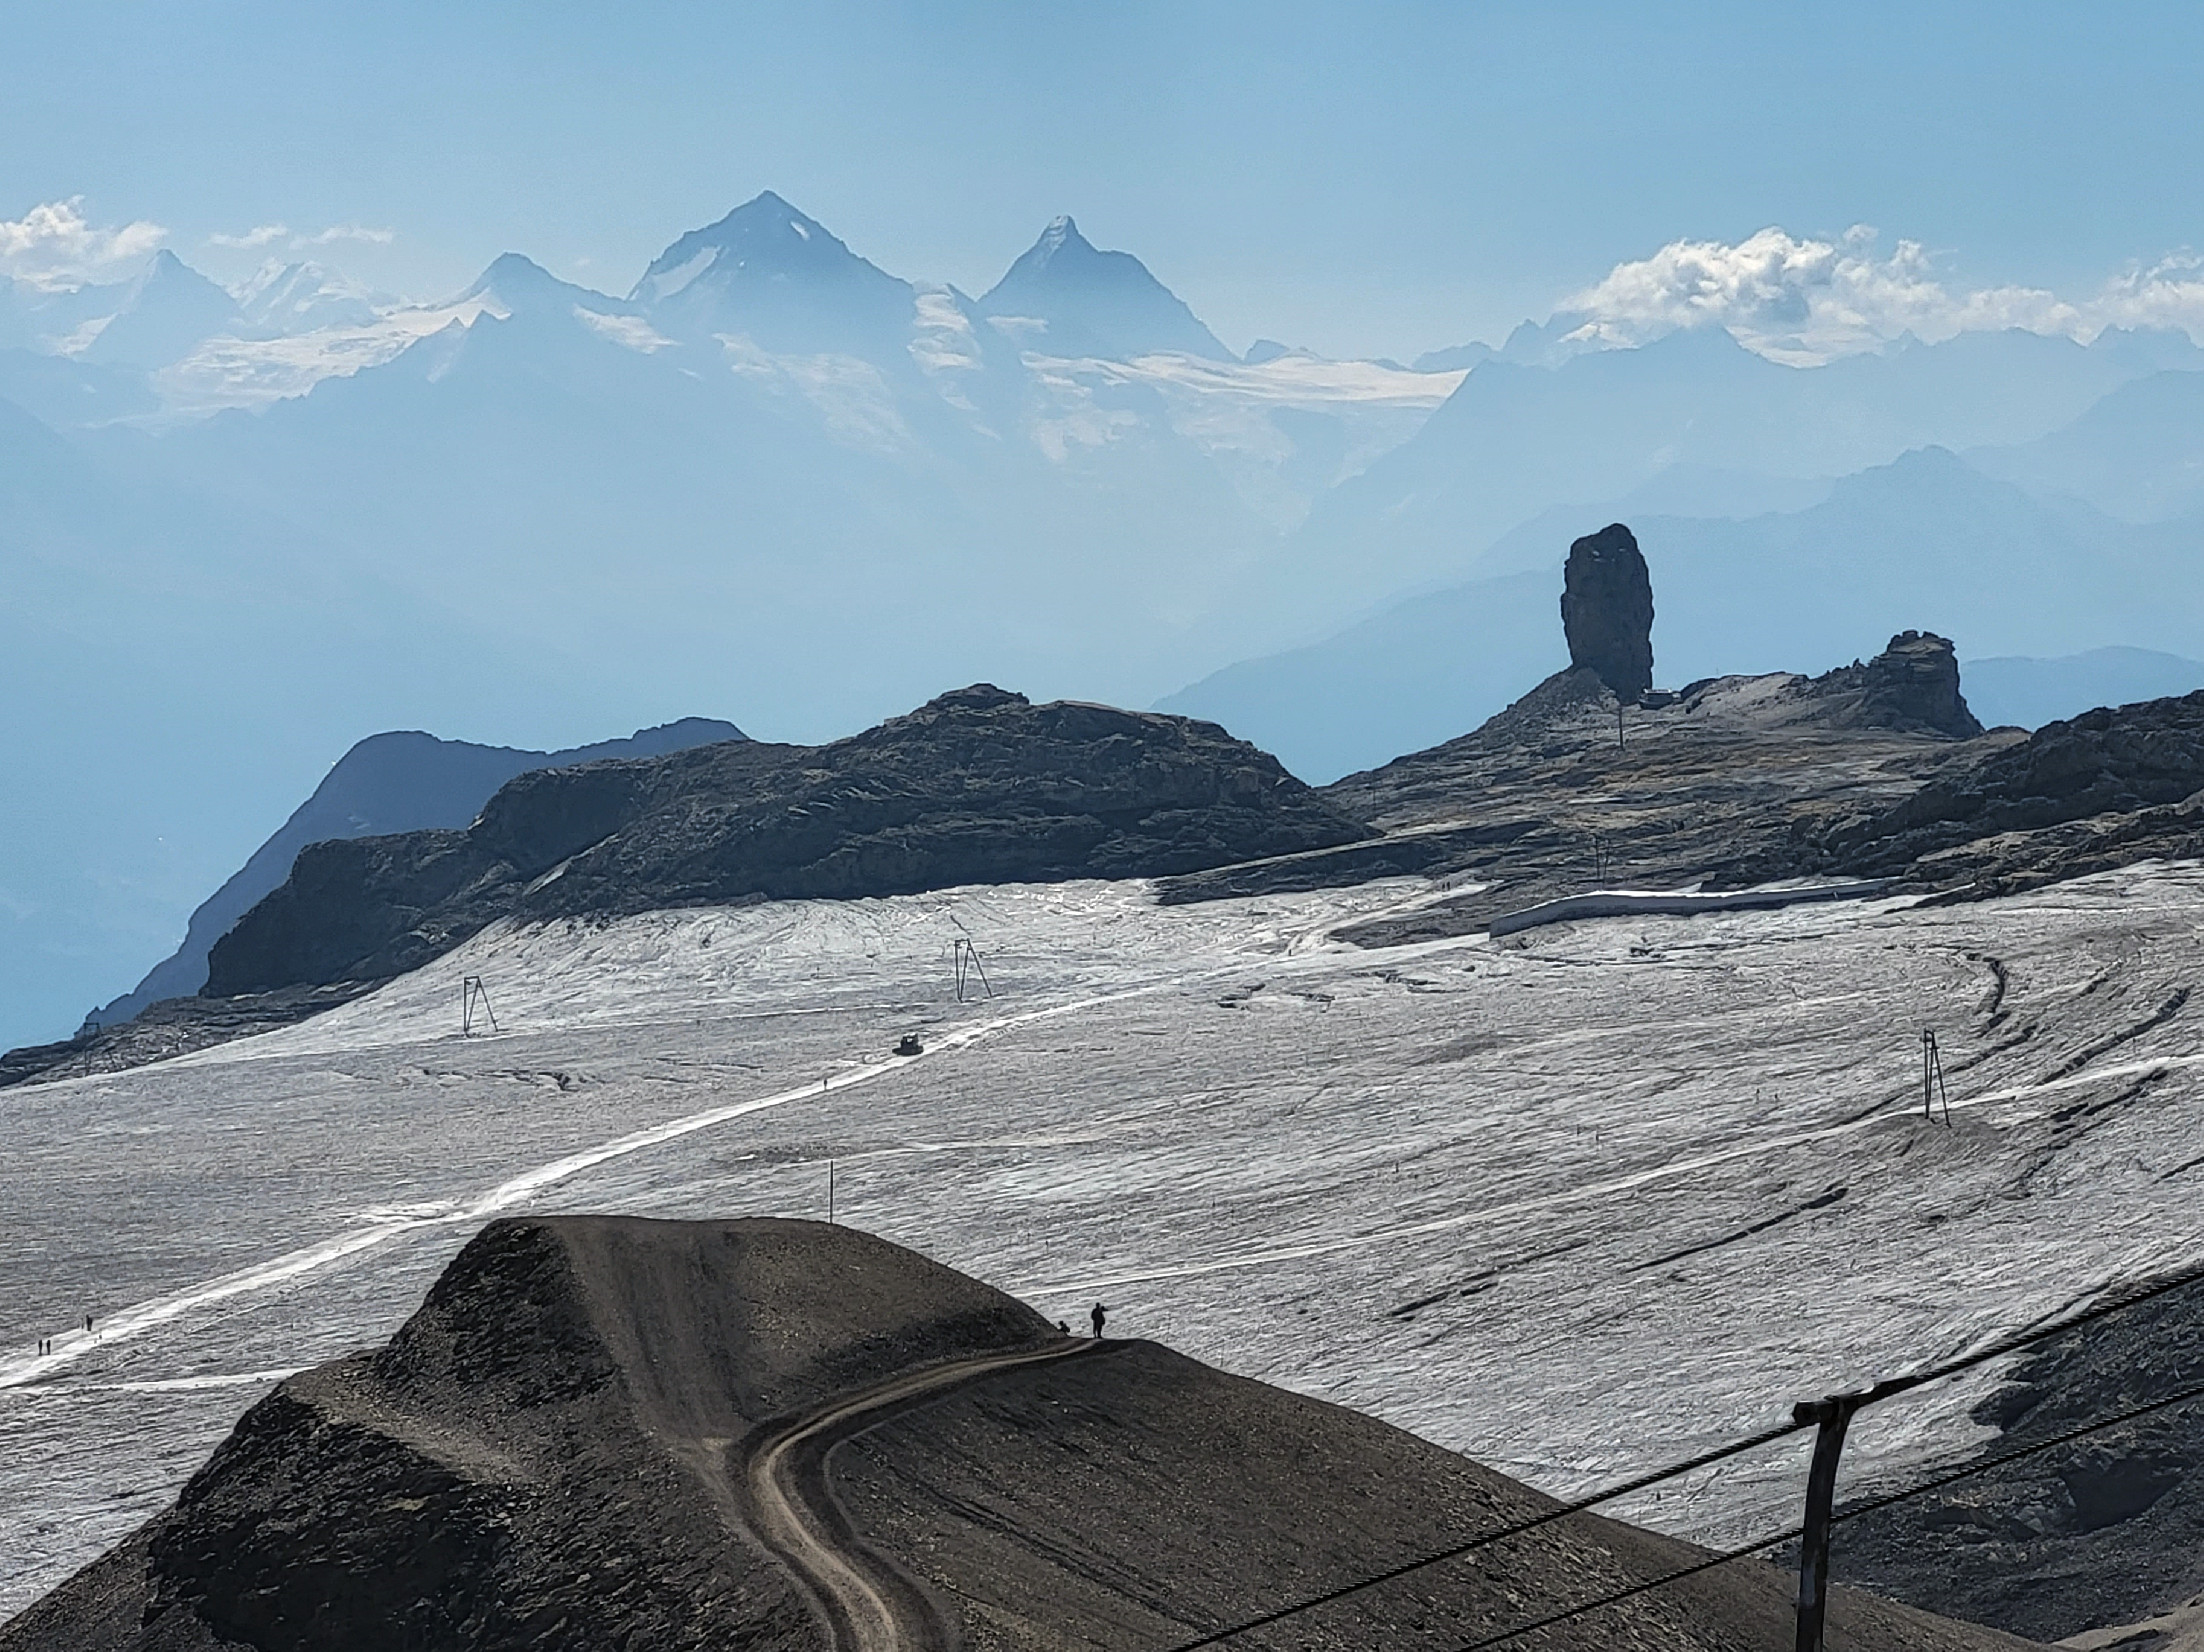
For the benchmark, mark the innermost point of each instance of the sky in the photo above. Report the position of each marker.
(1365, 179)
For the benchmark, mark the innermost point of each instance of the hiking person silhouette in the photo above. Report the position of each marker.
(1097, 1316)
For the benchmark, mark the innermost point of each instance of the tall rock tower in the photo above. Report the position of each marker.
(1607, 611)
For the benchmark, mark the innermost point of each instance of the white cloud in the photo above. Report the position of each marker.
(345, 232)
(1810, 300)
(2169, 293)
(258, 236)
(52, 247)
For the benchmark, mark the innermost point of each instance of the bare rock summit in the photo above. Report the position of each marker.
(1913, 685)
(1607, 611)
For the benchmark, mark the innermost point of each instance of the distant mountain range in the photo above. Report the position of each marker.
(2030, 692)
(244, 527)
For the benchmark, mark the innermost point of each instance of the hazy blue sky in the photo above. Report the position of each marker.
(1363, 178)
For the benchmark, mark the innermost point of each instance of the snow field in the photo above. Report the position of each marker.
(1575, 1202)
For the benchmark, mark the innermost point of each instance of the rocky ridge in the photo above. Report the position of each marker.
(2109, 788)
(1573, 788)
(400, 781)
(571, 1446)
(977, 786)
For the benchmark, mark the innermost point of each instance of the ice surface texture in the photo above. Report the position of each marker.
(1516, 1197)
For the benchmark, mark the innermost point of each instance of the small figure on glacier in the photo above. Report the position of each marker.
(1097, 1316)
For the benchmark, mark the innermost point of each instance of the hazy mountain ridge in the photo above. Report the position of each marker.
(780, 480)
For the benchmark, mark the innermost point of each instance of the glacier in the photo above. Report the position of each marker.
(1576, 1201)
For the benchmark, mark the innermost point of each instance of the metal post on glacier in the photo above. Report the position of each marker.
(1932, 1078)
(1833, 1416)
(472, 995)
(966, 958)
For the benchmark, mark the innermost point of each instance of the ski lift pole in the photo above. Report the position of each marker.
(1932, 1077)
(1832, 1417)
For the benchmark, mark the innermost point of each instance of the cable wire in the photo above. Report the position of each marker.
(1853, 1513)
(1647, 1587)
(1984, 1465)
(2119, 1301)
(1486, 1539)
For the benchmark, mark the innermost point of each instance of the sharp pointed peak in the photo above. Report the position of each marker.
(1060, 234)
(517, 281)
(166, 271)
(771, 251)
(769, 207)
(511, 272)
(165, 267)
(1095, 302)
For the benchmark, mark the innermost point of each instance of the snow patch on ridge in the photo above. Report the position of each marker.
(251, 373)
(628, 331)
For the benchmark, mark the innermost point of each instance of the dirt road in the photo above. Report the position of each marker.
(869, 1603)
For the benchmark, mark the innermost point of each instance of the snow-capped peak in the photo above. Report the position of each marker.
(1095, 303)
(771, 273)
(517, 284)
(765, 236)
(280, 298)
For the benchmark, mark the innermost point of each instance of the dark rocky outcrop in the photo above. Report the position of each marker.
(559, 1452)
(2111, 760)
(1607, 611)
(1569, 789)
(978, 786)
(2110, 787)
(403, 781)
(1717, 784)
(1912, 686)
(1588, 782)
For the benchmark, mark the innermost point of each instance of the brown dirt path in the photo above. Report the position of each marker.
(869, 1603)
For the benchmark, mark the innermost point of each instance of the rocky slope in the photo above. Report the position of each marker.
(578, 1442)
(978, 786)
(1572, 789)
(403, 781)
(1596, 777)
(2108, 788)
(2083, 1536)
